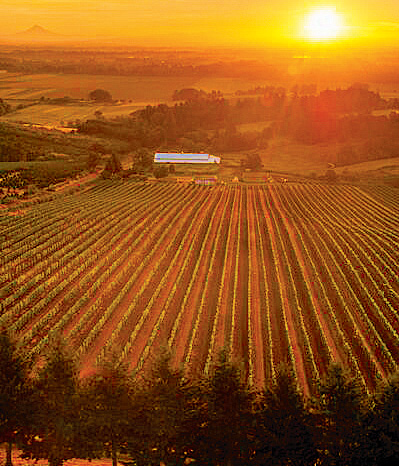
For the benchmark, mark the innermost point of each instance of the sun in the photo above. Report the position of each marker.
(323, 24)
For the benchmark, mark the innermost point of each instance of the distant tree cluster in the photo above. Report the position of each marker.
(14, 148)
(188, 94)
(379, 134)
(336, 115)
(116, 64)
(207, 122)
(41, 175)
(170, 418)
(100, 95)
(4, 107)
(195, 125)
(261, 90)
(27, 144)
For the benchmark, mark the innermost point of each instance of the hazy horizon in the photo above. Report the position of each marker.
(206, 23)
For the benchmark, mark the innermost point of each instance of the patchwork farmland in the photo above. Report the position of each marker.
(301, 274)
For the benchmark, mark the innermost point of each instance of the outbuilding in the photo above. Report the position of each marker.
(168, 157)
(207, 181)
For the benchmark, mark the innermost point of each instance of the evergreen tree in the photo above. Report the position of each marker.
(382, 443)
(143, 160)
(284, 426)
(100, 95)
(113, 164)
(340, 405)
(14, 394)
(54, 409)
(228, 433)
(105, 409)
(162, 426)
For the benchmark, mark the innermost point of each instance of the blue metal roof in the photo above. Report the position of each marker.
(174, 157)
(178, 156)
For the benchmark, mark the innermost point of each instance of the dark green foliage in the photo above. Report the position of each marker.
(113, 165)
(4, 107)
(106, 410)
(143, 160)
(189, 94)
(331, 175)
(227, 433)
(382, 422)
(284, 427)
(161, 171)
(44, 174)
(54, 409)
(192, 125)
(14, 148)
(98, 148)
(14, 393)
(96, 152)
(169, 418)
(92, 161)
(340, 408)
(252, 161)
(26, 145)
(100, 95)
(165, 416)
(209, 123)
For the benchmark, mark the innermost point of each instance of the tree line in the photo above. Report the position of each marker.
(203, 124)
(113, 65)
(210, 123)
(168, 417)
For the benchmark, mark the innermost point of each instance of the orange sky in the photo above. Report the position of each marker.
(199, 22)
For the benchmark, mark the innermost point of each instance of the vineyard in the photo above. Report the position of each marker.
(301, 274)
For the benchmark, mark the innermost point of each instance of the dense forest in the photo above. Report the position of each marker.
(169, 417)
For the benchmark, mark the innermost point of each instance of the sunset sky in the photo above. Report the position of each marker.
(203, 22)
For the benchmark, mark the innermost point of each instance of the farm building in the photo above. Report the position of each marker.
(208, 181)
(165, 157)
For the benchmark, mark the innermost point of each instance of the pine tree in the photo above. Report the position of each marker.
(382, 443)
(14, 393)
(284, 426)
(105, 409)
(113, 164)
(227, 434)
(162, 426)
(54, 408)
(340, 405)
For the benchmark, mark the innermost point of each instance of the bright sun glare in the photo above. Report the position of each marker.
(323, 24)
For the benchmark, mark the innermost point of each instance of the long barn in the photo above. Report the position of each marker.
(167, 157)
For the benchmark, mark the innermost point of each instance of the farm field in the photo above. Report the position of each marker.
(143, 88)
(140, 89)
(59, 115)
(135, 91)
(302, 274)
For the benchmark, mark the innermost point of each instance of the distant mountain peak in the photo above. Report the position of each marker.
(37, 31)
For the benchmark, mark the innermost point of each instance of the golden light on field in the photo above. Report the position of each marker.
(323, 24)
